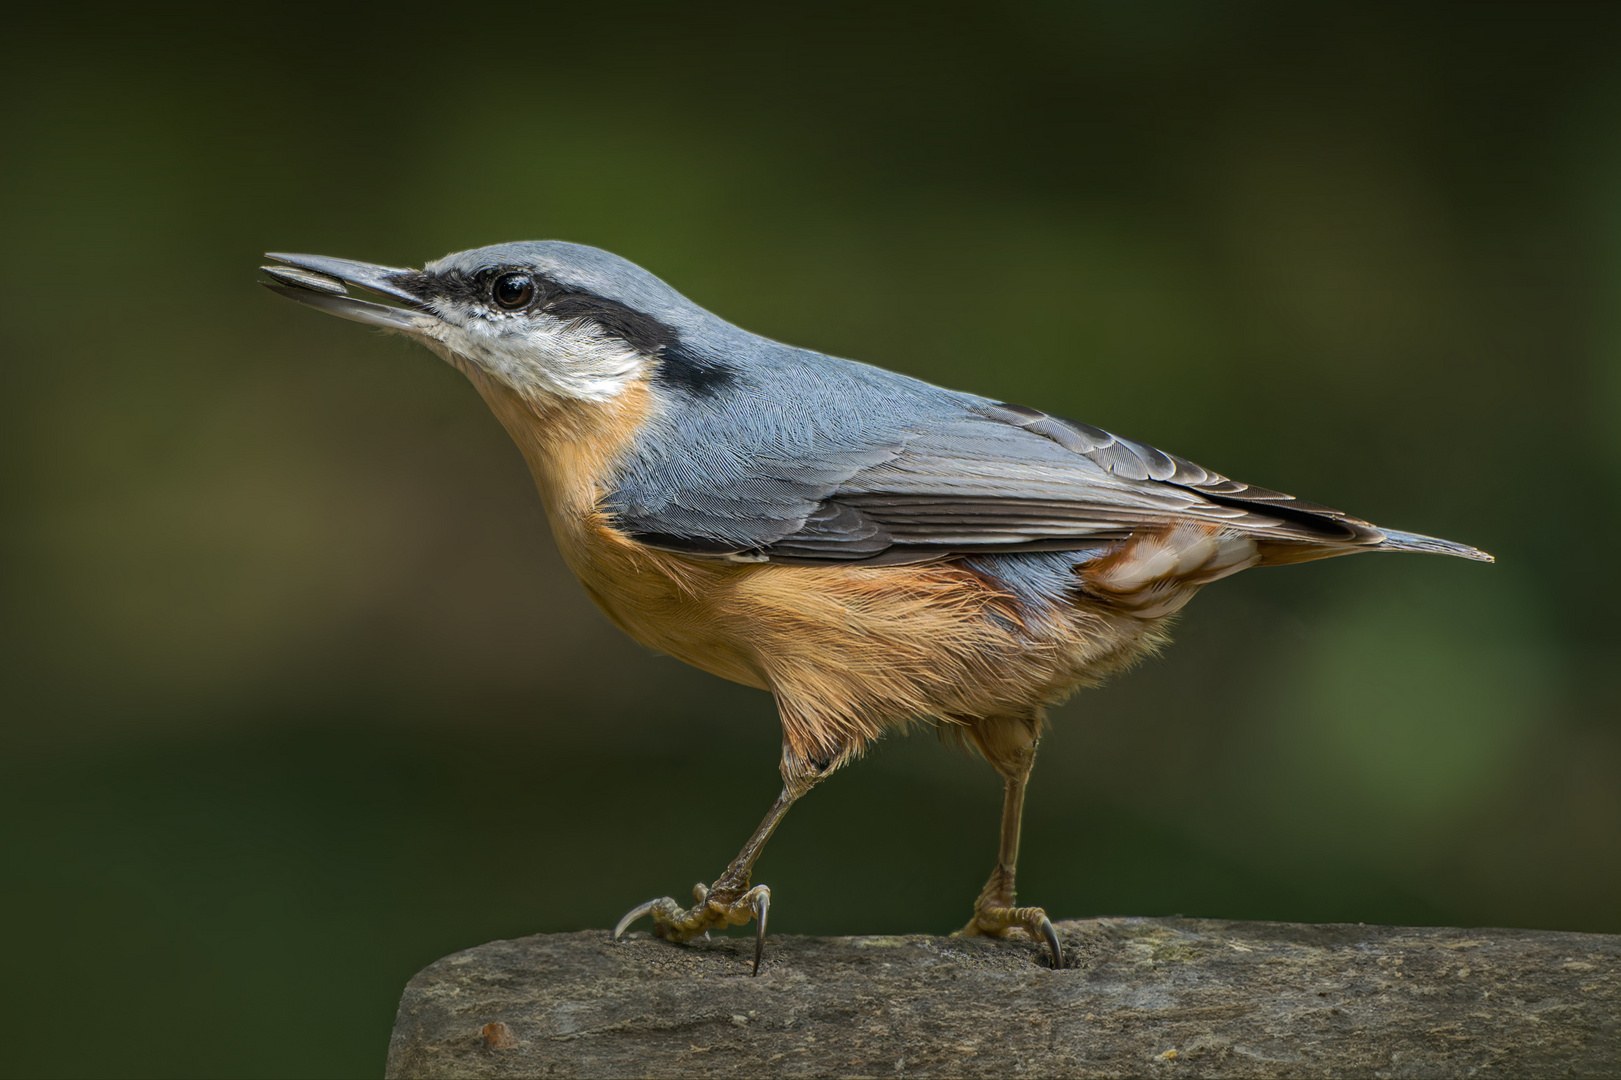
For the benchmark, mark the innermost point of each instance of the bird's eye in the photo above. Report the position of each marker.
(513, 291)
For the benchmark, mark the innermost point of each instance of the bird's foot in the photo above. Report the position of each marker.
(993, 920)
(713, 908)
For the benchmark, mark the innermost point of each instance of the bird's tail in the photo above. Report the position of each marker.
(1406, 541)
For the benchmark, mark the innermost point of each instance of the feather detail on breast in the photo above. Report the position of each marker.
(660, 600)
(849, 651)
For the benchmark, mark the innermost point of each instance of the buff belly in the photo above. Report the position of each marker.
(849, 651)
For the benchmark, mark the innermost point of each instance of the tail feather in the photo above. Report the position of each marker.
(1406, 541)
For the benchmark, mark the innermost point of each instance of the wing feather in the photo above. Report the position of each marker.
(1005, 478)
(853, 464)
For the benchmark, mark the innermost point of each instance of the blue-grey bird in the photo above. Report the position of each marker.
(871, 549)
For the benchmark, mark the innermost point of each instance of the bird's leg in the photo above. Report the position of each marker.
(731, 900)
(1010, 746)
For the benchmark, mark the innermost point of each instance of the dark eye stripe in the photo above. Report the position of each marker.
(641, 331)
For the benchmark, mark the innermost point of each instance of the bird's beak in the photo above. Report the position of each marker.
(323, 283)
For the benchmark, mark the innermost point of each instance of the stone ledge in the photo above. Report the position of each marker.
(1164, 997)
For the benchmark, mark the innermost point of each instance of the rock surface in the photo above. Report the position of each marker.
(1141, 997)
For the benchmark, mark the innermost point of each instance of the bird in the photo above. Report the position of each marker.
(873, 550)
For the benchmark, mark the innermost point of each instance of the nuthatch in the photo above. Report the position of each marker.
(871, 549)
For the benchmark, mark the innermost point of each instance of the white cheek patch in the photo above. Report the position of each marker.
(537, 355)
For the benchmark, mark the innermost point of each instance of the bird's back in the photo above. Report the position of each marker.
(786, 454)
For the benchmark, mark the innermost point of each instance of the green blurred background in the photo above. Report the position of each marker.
(298, 696)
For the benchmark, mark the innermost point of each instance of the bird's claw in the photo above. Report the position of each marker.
(711, 910)
(997, 921)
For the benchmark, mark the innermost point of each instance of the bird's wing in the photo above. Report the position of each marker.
(1007, 478)
(857, 464)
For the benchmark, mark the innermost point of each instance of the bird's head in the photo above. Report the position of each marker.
(555, 323)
